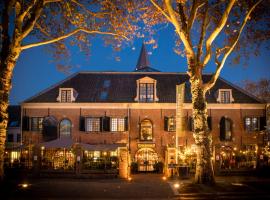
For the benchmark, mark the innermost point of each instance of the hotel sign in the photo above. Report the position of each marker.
(146, 145)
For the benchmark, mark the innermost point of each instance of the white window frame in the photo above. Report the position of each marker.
(73, 94)
(225, 90)
(31, 123)
(87, 129)
(146, 80)
(252, 127)
(119, 123)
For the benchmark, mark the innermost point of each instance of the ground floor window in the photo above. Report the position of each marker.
(100, 160)
(58, 159)
(92, 124)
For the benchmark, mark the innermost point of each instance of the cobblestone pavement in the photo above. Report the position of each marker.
(142, 186)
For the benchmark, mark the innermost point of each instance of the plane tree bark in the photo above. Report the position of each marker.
(183, 15)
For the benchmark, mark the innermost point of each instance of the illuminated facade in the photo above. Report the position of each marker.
(101, 113)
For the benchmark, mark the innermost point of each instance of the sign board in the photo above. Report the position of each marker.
(143, 145)
(180, 97)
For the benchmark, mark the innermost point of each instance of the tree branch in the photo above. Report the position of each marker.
(87, 10)
(183, 18)
(217, 30)
(52, 1)
(68, 35)
(161, 10)
(182, 35)
(202, 35)
(22, 15)
(30, 23)
(193, 13)
(220, 65)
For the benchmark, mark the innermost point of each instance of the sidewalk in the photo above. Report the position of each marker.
(232, 186)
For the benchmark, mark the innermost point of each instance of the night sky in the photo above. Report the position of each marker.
(36, 71)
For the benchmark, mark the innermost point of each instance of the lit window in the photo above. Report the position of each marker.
(225, 97)
(65, 128)
(146, 93)
(92, 124)
(146, 132)
(36, 123)
(252, 123)
(65, 95)
(113, 153)
(171, 124)
(117, 124)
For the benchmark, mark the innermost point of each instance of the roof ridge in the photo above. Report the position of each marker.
(133, 72)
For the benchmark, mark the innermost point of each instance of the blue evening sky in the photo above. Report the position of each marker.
(35, 70)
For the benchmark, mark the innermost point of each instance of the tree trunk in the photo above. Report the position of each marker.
(203, 140)
(8, 61)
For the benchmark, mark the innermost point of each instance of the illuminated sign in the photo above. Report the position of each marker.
(146, 145)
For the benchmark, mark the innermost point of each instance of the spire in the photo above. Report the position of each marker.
(143, 61)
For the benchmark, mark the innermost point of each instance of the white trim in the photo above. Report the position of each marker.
(146, 79)
(135, 106)
(225, 90)
(72, 98)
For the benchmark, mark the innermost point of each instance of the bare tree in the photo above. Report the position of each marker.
(210, 30)
(260, 88)
(30, 23)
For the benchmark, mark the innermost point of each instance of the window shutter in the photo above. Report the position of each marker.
(209, 122)
(190, 124)
(101, 124)
(126, 123)
(262, 123)
(165, 123)
(222, 128)
(25, 124)
(106, 123)
(82, 123)
(245, 127)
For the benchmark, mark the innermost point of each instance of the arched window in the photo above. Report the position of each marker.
(65, 128)
(225, 129)
(146, 132)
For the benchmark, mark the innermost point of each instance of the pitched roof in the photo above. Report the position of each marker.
(118, 87)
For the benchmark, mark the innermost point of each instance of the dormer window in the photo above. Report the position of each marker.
(225, 96)
(67, 95)
(146, 90)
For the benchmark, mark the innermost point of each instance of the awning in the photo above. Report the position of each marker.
(64, 142)
(101, 147)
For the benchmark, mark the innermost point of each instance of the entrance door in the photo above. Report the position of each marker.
(146, 158)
